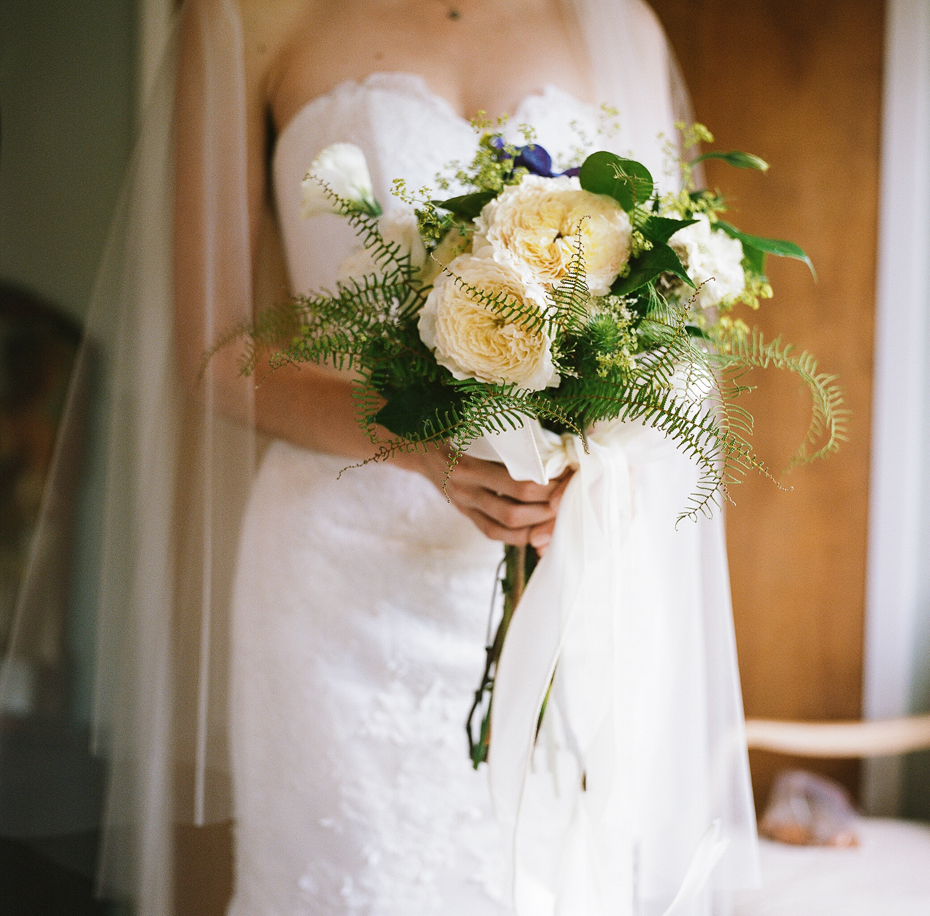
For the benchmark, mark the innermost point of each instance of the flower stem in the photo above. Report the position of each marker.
(519, 563)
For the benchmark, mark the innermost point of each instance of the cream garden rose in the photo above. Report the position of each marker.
(533, 227)
(472, 340)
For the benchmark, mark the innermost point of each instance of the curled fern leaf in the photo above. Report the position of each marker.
(829, 415)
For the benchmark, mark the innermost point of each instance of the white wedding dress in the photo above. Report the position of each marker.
(361, 610)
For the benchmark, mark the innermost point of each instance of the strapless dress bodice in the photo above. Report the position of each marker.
(407, 132)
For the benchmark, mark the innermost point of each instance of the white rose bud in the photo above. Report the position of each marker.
(342, 169)
(713, 261)
(473, 340)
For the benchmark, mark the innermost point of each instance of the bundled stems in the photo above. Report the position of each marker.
(519, 563)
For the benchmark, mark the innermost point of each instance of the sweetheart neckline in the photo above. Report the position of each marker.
(414, 85)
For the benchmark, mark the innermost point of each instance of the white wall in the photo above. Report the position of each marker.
(897, 664)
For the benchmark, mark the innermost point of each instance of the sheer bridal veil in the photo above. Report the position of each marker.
(167, 455)
(166, 462)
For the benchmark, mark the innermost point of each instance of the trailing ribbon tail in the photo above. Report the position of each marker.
(708, 853)
(566, 586)
(573, 630)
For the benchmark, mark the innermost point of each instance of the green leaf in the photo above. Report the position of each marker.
(754, 261)
(650, 264)
(694, 331)
(659, 229)
(416, 411)
(625, 180)
(769, 246)
(466, 206)
(735, 158)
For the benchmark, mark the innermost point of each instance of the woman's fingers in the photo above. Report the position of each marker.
(493, 476)
(508, 512)
(541, 535)
(537, 536)
(515, 512)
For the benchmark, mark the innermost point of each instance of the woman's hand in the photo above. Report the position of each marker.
(513, 511)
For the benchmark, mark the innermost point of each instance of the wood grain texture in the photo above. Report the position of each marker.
(799, 84)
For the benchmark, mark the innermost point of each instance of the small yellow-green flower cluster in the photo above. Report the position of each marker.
(625, 341)
(434, 224)
(491, 169)
(756, 288)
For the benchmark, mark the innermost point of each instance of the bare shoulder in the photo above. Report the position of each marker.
(647, 19)
(269, 22)
(266, 27)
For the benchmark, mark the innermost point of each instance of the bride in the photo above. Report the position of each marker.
(320, 634)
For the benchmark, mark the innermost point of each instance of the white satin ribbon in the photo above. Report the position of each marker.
(574, 622)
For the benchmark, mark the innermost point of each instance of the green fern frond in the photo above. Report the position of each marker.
(438, 427)
(392, 260)
(570, 313)
(510, 309)
(276, 324)
(498, 409)
(829, 415)
(696, 431)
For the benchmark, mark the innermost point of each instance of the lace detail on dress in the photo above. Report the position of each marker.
(425, 835)
(359, 641)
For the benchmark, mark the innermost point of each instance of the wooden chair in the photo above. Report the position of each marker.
(887, 874)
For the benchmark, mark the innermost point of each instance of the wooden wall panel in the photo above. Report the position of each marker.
(799, 83)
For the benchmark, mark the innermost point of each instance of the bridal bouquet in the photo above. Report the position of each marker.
(564, 299)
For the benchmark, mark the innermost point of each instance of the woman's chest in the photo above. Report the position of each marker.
(478, 55)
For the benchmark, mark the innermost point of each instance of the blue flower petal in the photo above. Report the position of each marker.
(535, 160)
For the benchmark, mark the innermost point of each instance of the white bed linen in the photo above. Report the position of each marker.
(888, 874)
